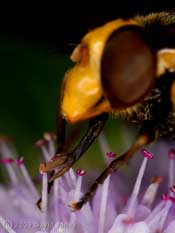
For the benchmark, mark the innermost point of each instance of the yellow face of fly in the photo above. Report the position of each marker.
(81, 86)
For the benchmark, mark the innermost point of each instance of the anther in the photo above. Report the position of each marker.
(80, 172)
(167, 197)
(171, 154)
(6, 160)
(19, 161)
(111, 154)
(156, 179)
(42, 168)
(49, 136)
(147, 154)
(40, 143)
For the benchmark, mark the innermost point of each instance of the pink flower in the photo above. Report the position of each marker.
(114, 208)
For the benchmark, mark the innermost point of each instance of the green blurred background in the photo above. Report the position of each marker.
(30, 90)
(32, 65)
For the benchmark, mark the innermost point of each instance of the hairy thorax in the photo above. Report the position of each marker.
(156, 108)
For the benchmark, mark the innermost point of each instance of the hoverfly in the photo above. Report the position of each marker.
(125, 67)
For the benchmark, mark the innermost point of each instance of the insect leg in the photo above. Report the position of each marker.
(142, 140)
(65, 160)
(61, 134)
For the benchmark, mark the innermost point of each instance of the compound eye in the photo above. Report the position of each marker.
(128, 66)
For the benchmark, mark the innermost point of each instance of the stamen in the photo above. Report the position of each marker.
(172, 200)
(6, 225)
(104, 147)
(147, 154)
(6, 160)
(80, 172)
(20, 161)
(170, 228)
(167, 197)
(42, 168)
(41, 144)
(104, 197)
(78, 186)
(160, 218)
(159, 214)
(171, 154)
(72, 175)
(151, 192)
(12, 174)
(124, 224)
(50, 137)
(111, 154)
(134, 195)
(77, 193)
(5, 151)
(27, 177)
(71, 178)
(44, 199)
(171, 170)
(56, 195)
(68, 180)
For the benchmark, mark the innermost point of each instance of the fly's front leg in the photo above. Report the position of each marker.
(65, 160)
(142, 140)
(61, 135)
